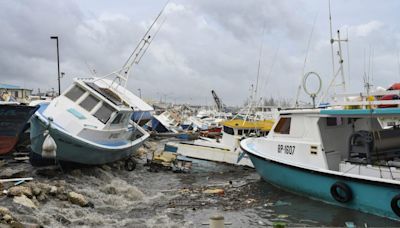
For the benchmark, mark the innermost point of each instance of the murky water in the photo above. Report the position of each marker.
(164, 199)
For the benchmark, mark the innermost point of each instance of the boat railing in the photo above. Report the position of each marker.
(367, 100)
(365, 103)
(365, 95)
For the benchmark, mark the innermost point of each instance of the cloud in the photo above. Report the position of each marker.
(365, 30)
(203, 45)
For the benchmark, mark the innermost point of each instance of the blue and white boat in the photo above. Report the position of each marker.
(91, 122)
(345, 157)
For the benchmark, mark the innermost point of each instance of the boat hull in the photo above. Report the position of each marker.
(367, 196)
(71, 149)
(211, 153)
(13, 120)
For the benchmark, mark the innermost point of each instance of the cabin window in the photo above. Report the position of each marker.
(283, 126)
(240, 132)
(104, 113)
(334, 121)
(246, 132)
(89, 102)
(229, 130)
(75, 93)
(118, 119)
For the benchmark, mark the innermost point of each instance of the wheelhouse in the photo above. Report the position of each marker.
(361, 142)
(100, 103)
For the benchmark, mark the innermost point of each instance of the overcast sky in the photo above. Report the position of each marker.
(203, 45)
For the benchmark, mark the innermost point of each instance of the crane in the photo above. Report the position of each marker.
(218, 102)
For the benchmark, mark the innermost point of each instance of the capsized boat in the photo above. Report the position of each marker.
(227, 148)
(346, 157)
(167, 121)
(13, 121)
(90, 123)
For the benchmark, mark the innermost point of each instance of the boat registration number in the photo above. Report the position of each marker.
(287, 149)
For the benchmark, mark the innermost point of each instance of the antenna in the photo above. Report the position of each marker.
(340, 54)
(331, 33)
(305, 61)
(259, 63)
(398, 61)
(348, 54)
(137, 54)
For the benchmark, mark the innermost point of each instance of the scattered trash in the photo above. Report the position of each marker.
(218, 191)
(166, 160)
(278, 224)
(15, 179)
(19, 182)
(350, 224)
(282, 216)
(248, 201)
(282, 203)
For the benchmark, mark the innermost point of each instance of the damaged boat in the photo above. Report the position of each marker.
(91, 122)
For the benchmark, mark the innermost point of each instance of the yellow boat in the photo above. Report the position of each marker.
(262, 126)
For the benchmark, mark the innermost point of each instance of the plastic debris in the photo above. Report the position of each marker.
(218, 191)
(19, 182)
(282, 203)
(278, 225)
(282, 216)
(248, 201)
(16, 179)
(350, 224)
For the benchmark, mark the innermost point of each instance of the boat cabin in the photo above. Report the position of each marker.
(109, 112)
(91, 110)
(235, 130)
(362, 141)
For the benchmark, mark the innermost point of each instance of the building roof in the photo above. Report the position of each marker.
(7, 86)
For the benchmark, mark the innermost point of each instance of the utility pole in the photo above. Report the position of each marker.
(58, 64)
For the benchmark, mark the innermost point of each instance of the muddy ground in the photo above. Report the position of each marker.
(108, 195)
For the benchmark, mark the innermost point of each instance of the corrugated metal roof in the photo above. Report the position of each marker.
(6, 86)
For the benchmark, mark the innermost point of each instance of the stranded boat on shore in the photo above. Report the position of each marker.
(89, 123)
(13, 121)
(227, 148)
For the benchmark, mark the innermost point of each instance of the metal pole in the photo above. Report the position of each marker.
(58, 64)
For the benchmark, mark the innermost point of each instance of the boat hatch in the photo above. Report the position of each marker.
(107, 93)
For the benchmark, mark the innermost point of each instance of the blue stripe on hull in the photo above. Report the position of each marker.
(73, 150)
(367, 196)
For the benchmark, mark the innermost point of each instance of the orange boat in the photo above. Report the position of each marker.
(13, 119)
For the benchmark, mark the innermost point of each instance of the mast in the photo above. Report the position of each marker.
(137, 54)
(340, 70)
(330, 30)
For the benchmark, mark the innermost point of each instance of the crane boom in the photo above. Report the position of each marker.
(218, 102)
